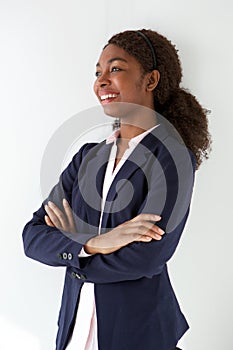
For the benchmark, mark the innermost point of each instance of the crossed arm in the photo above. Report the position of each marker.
(145, 247)
(139, 229)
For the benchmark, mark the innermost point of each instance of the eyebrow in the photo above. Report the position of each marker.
(112, 60)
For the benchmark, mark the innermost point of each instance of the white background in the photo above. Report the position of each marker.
(47, 63)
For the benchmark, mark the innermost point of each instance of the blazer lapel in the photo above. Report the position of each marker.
(96, 163)
(92, 175)
(136, 160)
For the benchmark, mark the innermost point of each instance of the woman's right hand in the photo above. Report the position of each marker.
(142, 228)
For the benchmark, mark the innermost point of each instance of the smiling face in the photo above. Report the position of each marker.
(119, 78)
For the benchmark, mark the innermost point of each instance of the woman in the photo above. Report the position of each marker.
(116, 216)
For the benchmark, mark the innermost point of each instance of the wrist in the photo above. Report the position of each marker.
(90, 247)
(99, 245)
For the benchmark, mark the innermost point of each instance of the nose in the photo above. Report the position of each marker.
(103, 80)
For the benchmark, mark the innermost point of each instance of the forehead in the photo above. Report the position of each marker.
(113, 52)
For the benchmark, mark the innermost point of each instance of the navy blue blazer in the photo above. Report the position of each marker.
(135, 302)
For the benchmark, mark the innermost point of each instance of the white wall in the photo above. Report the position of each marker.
(48, 53)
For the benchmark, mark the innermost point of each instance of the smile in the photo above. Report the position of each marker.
(108, 97)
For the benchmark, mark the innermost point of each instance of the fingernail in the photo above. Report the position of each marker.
(65, 201)
(50, 204)
(161, 231)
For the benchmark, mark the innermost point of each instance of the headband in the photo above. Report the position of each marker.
(151, 48)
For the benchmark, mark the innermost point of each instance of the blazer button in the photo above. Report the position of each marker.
(70, 256)
(82, 277)
(73, 274)
(78, 276)
(64, 256)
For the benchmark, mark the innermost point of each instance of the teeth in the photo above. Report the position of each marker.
(105, 97)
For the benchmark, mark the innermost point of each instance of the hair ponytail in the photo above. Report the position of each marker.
(189, 118)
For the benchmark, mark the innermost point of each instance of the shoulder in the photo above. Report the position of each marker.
(169, 147)
(88, 151)
(83, 151)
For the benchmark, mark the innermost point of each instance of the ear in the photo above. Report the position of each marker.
(153, 80)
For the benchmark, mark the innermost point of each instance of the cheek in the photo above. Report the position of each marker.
(131, 92)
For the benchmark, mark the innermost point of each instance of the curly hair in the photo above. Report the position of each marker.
(176, 104)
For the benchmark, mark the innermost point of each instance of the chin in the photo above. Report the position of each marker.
(112, 109)
(120, 109)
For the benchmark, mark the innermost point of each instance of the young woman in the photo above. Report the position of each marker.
(117, 214)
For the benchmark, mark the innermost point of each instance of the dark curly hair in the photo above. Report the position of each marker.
(176, 104)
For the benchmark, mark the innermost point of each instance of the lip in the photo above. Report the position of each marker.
(107, 92)
(113, 95)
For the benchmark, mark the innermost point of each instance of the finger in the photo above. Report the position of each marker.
(142, 227)
(137, 233)
(53, 217)
(154, 228)
(148, 237)
(152, 231)
(154, 235)
(151, 234)
(68, 211)
(143, 238)
(48, 221)
(148, 217)
(59, 214)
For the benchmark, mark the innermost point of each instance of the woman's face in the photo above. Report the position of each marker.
(119, 78)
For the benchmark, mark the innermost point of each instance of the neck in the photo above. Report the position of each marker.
(131, 127)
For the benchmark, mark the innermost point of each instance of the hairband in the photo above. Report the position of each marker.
(151, 48)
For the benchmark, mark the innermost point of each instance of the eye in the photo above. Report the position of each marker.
(97, 74)
(115, 69)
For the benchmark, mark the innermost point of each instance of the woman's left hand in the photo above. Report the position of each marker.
(56, 218)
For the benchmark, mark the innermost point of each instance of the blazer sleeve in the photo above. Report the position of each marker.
(140, 259)
(47, 244)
